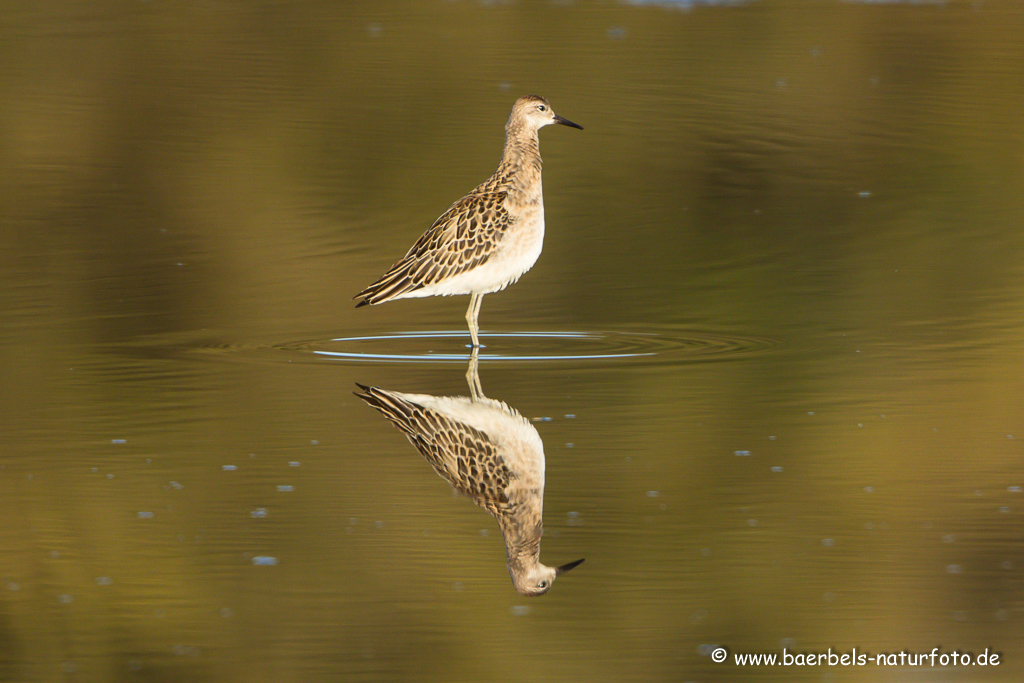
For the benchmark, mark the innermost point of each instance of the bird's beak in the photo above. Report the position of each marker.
(567, 122)
(566, 567)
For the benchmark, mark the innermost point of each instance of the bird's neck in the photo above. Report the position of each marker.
(522, 542)
(520, 163)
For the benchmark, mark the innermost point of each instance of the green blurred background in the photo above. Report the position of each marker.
(808, 212)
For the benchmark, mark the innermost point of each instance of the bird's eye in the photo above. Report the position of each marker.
(542, 584)
(542, 107)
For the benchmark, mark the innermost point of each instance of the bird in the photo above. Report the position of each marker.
(489, 452)
(485, 241)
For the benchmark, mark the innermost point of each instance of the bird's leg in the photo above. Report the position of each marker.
(476, 391)
(472, 314)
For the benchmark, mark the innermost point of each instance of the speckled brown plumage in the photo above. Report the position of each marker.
(489, 238)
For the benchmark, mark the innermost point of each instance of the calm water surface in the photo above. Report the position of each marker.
(773, 347)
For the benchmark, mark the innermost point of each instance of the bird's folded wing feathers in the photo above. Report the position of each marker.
(463, 238)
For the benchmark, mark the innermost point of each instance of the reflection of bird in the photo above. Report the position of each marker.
(489, 452)
(489, 238)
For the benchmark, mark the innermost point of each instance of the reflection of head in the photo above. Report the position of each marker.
(537, 579)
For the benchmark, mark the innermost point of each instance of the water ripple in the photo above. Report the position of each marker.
(447, 347)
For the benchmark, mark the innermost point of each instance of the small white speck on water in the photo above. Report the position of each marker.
(104, 581)
(13, 586)
(618, 33)
(284, 488)
(653, 494)
(949, 538)
(294, 463)
(829, 597)
(229, 468)
(314, 442)
(145, 514)
(954, 569)
(186, 650)
(119, 441)
(1006, 564)
(520, 610)
(177, 486)
(264, 561)
(485, 532)
(374, 30)
(828, 542)
(869, 489)
(1004, 509)
(1013, 489)
(258, 513)
(864, 194)
(569, 416)
(54, 554)
(64, 599)
(227, 612)
(570, 445)
(751, 522)
(741, 453)
(110, 475)
(810, 412)
(772, 438)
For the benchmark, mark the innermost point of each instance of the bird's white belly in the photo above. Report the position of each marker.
(515, 255)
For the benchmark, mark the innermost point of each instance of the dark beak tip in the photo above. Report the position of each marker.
(567, 122)
(567, 567)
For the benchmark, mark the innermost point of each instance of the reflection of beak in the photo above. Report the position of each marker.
(567, 122)
(566, 567)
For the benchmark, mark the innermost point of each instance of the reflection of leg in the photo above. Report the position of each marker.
(472, 314)
(476, 391)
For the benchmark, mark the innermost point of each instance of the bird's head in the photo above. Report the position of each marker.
(532, 112)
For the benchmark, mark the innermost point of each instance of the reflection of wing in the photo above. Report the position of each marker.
(460, 453)
(463, 238)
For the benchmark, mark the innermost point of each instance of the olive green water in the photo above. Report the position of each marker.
(774, 345)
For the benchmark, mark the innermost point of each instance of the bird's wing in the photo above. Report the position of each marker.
(464, 237)
(463, 455)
